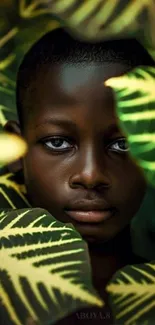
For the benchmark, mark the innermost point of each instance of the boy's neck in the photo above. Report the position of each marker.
(112, 256)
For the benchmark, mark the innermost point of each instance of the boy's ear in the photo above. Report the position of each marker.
(13, 127)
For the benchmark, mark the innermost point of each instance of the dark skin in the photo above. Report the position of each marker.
(78, 153)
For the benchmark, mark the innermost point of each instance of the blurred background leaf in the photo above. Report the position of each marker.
(17, 34)
(12, 147)
(19, 29)
(135, 98)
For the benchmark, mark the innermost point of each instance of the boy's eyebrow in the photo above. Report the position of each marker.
(112, 129)
(68, 124)
(58, 122)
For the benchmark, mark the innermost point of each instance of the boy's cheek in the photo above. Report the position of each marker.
(43, 185)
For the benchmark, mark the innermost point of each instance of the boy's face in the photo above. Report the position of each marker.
(78, 167)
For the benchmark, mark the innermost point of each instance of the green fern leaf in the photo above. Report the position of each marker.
(98, 20)
(7, 103)
(44, 259)
(33, 9)
(20, 189)
(132, 294)
(12, 191)
(135, 97)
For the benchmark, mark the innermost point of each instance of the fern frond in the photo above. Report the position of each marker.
(37, 253)
(5, 300)
(132, 291)
(19, 189)
(6, 196)
(8, 36)
(135, 101)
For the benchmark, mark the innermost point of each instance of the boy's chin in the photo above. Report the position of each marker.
(109, 244)
(96, 243)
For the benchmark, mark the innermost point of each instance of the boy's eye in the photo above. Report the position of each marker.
(57, 143)
(60, 144)
(119, 145)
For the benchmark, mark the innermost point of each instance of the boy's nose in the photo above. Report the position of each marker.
(90, 172)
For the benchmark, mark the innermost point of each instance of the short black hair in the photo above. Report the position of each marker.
(59, 46)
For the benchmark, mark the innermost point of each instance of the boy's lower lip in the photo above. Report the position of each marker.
(91, 216)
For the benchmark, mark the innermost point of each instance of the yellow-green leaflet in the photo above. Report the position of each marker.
(132, 294)
(135, 101)
(44, 270)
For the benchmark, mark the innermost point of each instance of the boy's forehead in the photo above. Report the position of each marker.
(69, 77)
(74, 76)
(68, 84)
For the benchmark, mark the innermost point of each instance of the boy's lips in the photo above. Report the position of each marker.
(91, 216)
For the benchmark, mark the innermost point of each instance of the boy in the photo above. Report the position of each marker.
(78, 166)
